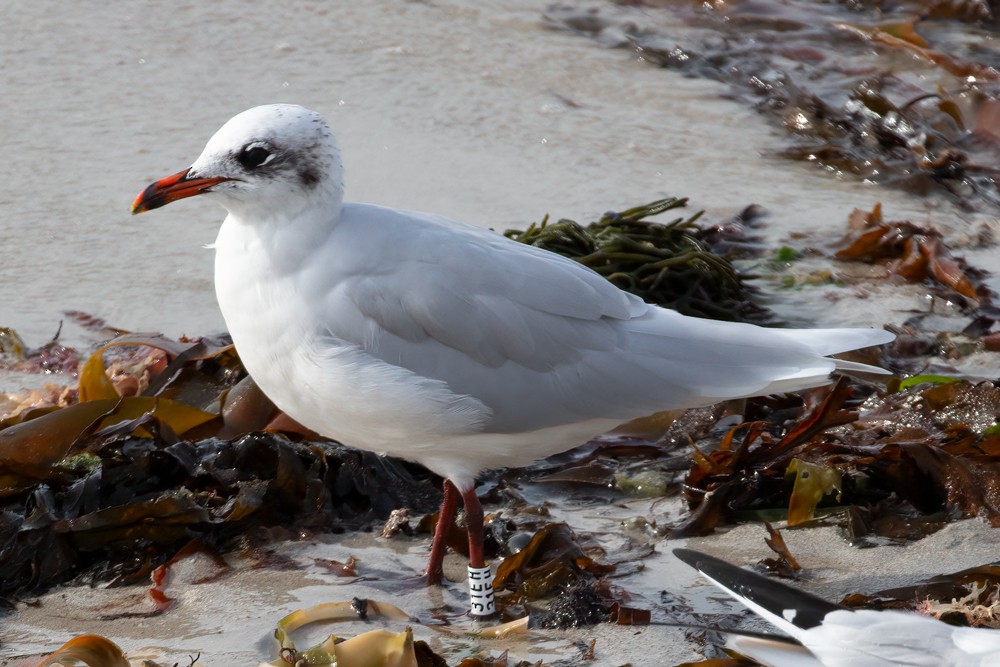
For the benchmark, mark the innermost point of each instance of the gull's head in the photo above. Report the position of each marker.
(267, 161)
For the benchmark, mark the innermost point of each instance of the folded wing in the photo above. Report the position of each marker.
(541, 339)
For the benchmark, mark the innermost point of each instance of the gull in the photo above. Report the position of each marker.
(829, 635)
(412, 335)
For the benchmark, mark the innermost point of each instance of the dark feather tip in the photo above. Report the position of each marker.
(774, 596)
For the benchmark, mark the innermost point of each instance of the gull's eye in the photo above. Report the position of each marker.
(253, 156)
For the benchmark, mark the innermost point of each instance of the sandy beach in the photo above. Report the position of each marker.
(484, 115)
(478, 112)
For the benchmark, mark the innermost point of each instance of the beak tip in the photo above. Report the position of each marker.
(141, 203)
(172, 188)
(147, 199)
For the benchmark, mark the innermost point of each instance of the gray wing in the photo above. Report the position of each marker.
(538, 338)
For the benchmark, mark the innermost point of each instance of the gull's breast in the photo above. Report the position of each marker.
(328, 384)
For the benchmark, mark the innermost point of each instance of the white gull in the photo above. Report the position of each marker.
(409, 334)
(829, 635)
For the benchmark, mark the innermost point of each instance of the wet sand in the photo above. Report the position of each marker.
(476, 112)
(231, 621)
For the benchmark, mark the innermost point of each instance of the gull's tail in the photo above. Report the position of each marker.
(692, 361)
(825, 342)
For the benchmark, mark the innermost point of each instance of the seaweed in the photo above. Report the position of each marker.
(667, 264)
(888, 92)
(925, 454)
(917, 254)
(117, 484)
(967, 597)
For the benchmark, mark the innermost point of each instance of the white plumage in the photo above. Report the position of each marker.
(409, 334)
(833, 636)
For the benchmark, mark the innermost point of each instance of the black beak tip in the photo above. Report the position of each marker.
(148, 199)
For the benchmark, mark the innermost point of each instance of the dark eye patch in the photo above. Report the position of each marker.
(253, 156)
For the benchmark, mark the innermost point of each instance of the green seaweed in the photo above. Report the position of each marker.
(668, 264)
(927, 378)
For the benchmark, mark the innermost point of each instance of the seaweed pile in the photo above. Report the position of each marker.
(928, 453)
(170, 452)
(676, 264)
(905, 94)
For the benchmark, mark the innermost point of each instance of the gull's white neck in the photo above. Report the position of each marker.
(263, 268)
(277, 240)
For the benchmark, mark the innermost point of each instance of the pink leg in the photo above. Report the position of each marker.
(446, 517)
(474, 524)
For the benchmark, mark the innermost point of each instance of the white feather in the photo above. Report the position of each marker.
(409, 334)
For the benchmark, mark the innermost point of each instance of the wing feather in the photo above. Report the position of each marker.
(540, 339)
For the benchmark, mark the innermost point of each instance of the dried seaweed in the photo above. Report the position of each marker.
(551, 560)
(141, 473)
(666, 264)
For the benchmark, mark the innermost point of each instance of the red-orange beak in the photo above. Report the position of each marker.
(172, 188)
